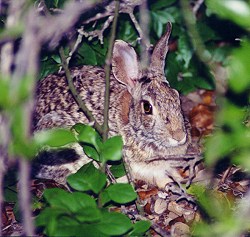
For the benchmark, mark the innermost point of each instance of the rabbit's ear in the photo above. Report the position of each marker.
(159, 53)
(125, 65)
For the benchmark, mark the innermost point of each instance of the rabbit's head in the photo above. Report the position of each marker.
(151, 110)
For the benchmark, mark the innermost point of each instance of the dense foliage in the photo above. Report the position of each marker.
(86, 210)
(222, 28)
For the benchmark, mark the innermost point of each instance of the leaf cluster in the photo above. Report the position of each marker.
(78, 213)
(230, 141)
(87, 208)
(184, 70)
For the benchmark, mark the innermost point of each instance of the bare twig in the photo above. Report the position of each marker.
(7, 58)
(75, 94)
(56, 30)
(108, 70)
(4, 141)
(76, 45)
(145, 43)
(26, 67)
(126, 6)
(195, 38)
(24, 197)
(98, 33)
(197, 6)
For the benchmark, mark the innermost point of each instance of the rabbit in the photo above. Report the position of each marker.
(144, 110)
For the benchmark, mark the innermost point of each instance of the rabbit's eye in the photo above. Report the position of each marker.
(147, 107)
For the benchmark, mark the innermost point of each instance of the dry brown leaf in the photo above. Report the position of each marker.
(201, 119)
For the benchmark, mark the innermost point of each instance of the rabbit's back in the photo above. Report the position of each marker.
(56, 106)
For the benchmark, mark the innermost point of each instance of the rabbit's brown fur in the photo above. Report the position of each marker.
(148, 136)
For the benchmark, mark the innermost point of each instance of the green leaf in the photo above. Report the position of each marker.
(220, 54)
(185, 49)
(20, 144)
(48, 66)
(114, 223)
(55, 3)
(59, 198)
(24, 148)
(206, 32)
(196, 190)
(112, 149)
(239, 69)
(127, 32)
(121, 193)
(118, 170)
(10, 195)
(235, 10)
(17, 125)
(159, 20)
(202, 82)
(82, 205)
(159, 4)
(69, 201)
(140, 227)
(242, 158)
(104, 197)
(25, 88)
(54, 137)
(4, 92)
(164, 16)
(87, 178)
(11, 97)
(83, 200)
(79, 229)
(10, 182)
(88, 135)
(88, 214)
(56, 58)
(87, 54)
(91, 152)
(68, 226)
(12, 32)
(67, 211)
(157, 24)
(217, 146)
(48, 218)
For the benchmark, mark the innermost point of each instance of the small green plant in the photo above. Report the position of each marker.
(86, 210)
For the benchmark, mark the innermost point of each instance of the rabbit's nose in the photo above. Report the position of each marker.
(179, 135)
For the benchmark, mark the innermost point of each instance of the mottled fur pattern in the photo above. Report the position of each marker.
(146, 136)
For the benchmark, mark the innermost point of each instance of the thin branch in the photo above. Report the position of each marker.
(75, 94)
(107, 69)
(194, 36)
(197, 6)
(76, 45)
(26, 67)
(6, 60)
(145, 43)
(56, 30)
(4, 142)
(23, 56)
(98, 32)
(24, 197)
